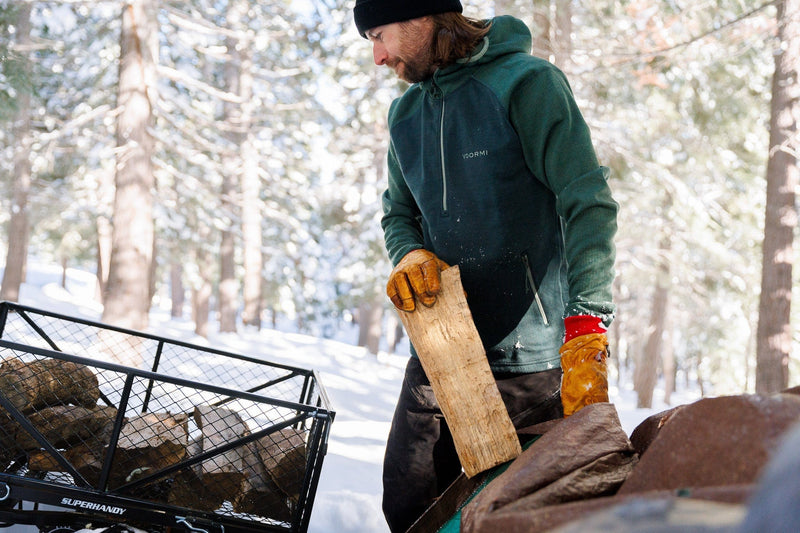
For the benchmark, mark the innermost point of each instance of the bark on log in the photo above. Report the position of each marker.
(8, 447)
(452, 355)
(84, 433)
(86, 458)
(42, 461)
(67, 425)
(48, 382)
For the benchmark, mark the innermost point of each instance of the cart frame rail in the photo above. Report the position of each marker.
(273, 398)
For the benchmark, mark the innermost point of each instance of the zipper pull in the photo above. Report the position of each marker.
(535, 290)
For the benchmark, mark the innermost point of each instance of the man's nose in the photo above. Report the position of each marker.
(379, 53)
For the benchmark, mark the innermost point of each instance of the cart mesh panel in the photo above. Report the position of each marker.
(136, 416)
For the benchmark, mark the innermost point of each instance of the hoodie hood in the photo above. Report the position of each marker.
(507, 35)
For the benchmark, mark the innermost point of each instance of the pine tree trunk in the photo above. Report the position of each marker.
(176, 289)
(370, 330)
(542, 42)
(251, 196)
(104, 239)
(669, 367)
(774, 336)
(647, 366)
(201, 289)
(562, 34)
(127, 299)
(14, 273)
(394, 332)
(228, 287)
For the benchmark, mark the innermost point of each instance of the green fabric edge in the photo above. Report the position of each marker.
(454, 524)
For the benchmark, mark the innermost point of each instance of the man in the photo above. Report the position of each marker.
(491, 167)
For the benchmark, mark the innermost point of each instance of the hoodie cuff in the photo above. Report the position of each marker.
(575, 326)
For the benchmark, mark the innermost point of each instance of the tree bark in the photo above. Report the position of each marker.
(542, 42)
(201, 286)
(394, 332)
(228, 285)
(18, 230)
(370, 315)
(646, 371)
(774, 335)
(562, 34)
(251, 193)
(105, 197)
(669, 366)
(176, 289)
(127, 298)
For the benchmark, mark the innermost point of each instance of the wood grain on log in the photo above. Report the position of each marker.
(452, 355)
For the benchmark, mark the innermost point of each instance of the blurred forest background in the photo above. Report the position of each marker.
(226, 157)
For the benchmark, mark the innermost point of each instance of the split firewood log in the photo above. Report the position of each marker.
(82, 433)
(86, 458)
(43, 461)
(48, 382)
(66, 425)
(260, 495)
(222, 473)
(284, 457)
(148, 443)
(222, 476)
(220, 426)
(275, 472)
(8, 446)
(188, 488)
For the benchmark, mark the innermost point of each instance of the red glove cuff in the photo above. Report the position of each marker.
(575, 326)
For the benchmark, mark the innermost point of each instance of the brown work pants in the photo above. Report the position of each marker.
(421, 460)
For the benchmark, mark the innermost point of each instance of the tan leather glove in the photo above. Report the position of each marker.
(417, 274)
(585, 378)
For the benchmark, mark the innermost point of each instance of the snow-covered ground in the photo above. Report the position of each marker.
(362, 389)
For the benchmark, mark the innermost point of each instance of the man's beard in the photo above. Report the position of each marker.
(414, 70)
(419, 66)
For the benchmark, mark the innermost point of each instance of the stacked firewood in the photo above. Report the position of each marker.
(60, 399)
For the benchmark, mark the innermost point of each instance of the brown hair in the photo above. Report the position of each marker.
(455, 36)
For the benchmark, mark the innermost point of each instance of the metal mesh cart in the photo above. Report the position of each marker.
(101, 426)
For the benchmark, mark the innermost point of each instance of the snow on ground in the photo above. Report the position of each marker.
(362, 389)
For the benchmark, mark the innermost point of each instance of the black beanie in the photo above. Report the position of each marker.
(372, 13)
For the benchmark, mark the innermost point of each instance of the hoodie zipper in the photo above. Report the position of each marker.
(441, 152)
(535, 289)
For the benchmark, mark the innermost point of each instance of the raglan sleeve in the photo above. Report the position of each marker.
(401, 220)
(559, 152)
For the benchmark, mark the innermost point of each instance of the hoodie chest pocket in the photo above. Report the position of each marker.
(478, 138)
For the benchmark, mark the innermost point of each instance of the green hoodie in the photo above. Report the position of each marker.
(491, 167)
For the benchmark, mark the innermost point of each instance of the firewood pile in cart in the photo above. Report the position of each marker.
(101, 426)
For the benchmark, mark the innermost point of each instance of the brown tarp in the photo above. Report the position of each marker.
(714, 442)
(587, 455)
(583, 474)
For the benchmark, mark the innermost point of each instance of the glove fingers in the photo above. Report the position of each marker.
(425, 282)
(431, 276)
(400, 293)
(417, 275)
(584, 385)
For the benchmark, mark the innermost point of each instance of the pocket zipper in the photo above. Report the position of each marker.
(535, 289)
